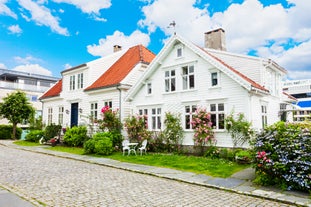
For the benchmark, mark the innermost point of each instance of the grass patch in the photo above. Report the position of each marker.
(199, 165)
(72, 150)
(26, 143)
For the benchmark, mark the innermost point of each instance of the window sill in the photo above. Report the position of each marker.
(215, 87)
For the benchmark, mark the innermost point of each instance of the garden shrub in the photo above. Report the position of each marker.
(173, 133)
(137, 128)
(34, 135)
(100, 143)
(283, 156)
(6, 132)
(212, 152)
(156, 142)
(76, 136)
(51, 131)
(202, 126)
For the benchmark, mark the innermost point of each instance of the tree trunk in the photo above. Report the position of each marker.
(14, 131)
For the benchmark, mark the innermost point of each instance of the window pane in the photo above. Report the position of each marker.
(185, 82)
(153, 122)
(191, 69)
(213, 107)
(187, 121)
(187, 109)
(191, 81)
(153, 111)
(213, 120)
(173, 84)
(159, 111)
(167, 74)
(172, 72)
(194, 108)
(221, 121)
(221, 107)
(167, 85)
(159, 122)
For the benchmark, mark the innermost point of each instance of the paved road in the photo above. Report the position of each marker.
(60, 182)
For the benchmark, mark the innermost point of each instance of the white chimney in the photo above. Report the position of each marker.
(216, 39)
(117, 48)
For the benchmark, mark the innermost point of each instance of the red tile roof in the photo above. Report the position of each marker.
(253, 83)
(54, 91)
(122, 67)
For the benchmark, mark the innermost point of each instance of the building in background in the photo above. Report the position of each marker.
(301, 90)
(34, 85)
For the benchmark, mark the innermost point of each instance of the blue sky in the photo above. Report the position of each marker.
(49, 36)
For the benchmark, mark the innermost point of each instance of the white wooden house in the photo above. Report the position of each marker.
(85, 89)
(185, 76)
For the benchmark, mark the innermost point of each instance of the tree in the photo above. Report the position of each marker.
(16, 108)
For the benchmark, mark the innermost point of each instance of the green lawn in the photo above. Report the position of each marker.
(200, 165)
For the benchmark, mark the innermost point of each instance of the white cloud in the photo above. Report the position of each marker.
(249, 26)
(26, 60)
(34, 69)
(93, 6)
(67, 66)
(4, 10)
(15, 29)
(42, 16)
(3, 66)
(105, 45)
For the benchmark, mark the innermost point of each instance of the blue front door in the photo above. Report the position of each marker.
(74, 114)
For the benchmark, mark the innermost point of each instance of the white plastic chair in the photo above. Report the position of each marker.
(125, 146)
(143, 147)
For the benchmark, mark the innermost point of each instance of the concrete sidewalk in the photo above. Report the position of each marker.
(240, 182)
(8, 199)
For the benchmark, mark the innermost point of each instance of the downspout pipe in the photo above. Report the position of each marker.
(120, 101)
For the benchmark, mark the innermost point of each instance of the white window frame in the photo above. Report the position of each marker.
(170, 80)
(217, 111)
(264, 115)
(188, 77)
(60, 115)
(149, 88)
(156, 119)
(80, 81)
(72, 83)
(94, 110)
(213, 84)
(108, 103)
(50, 115)
(188, 115)
(144, 113)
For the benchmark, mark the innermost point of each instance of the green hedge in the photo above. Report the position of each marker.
(6, 132)
(101, 143)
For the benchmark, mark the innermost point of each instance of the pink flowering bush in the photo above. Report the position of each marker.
(110, 121)
(137, 128)
(202, 126)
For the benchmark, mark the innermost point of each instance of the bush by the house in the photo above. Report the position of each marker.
(6, 132)
(34, 135)
(76, 136)
(173, 133)
(283, 156)
(100, 143)
(51, 131)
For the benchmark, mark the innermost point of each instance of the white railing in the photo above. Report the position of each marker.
(22, 86)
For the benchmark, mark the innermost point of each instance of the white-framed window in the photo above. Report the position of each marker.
(218, 115)
(60, 115)
(170, 80)
(72, 83)
(264, 117)
(50, 115)
(179, 52)
(156, 119)
(149, 88)
(94, 111)
(108, 103)
(189, 110)
(188, 77)
(214, 79)
(80, 80)
(144, 113)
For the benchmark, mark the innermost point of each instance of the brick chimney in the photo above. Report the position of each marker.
(117, 48)
(216, 39)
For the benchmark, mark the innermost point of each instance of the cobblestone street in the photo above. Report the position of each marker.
(60, 182)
